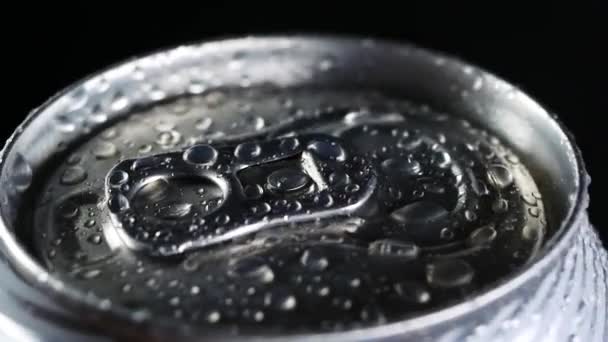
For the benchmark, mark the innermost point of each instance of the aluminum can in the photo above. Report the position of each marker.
(302, 188)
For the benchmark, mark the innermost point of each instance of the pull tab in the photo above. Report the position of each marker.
(175, 202)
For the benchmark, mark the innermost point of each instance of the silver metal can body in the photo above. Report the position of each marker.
(559, 294)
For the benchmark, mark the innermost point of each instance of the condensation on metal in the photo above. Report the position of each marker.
(568, 279)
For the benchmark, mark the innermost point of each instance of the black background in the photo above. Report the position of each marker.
(553, 53)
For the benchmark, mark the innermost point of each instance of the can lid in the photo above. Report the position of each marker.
(315, 207)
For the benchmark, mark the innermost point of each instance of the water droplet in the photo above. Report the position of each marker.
(155, 93)
(127, 288)
(203, 124)
(494, 140)
(355, 282)
(104, 150)
(174, 301)
(213, 317)
(500, 206)
(222, 219)
(479, 187)
(401, 167)
(261, 209)
(174, 210)
(478, 83)
(324, 291)
(287, 303)
(90, 274)
(486, 150)
(214, 99)
(105, 304)
(513, 159)
(482, 236)
(439, 61)
(73, 159)
(254, 268)
(151, 282)
(255, 122)
(154, 191)
(294, 205)
(247, 150)
(356, 117)
(314, 260)
(119, 102)
(164, 126)
(326, 64)
(213, 204)
(77, 98)
(95, 239)
(446, 234)
(352, 188)
(328, 150)
(253, 191)
(196, 86)
(89, 223)
(201, 154)
(324, 199)
(347, 304)
(287, 180)
(289, 144)
(118, 202)
(118, 178)
(168, 138)
(258, 316)
(194, 290)
(21, 176)
(534, 212)
(73, 175)
(443, 160)
(529, 199)
(448, 273)
(388, 247)
(97, 115)
(470, 215)
(68, 210)
(339, 178)
(412, 292)
(499, 176)
(532, 232)
(145, 148)
(52, 253)
(109, 134)
(65, 123)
